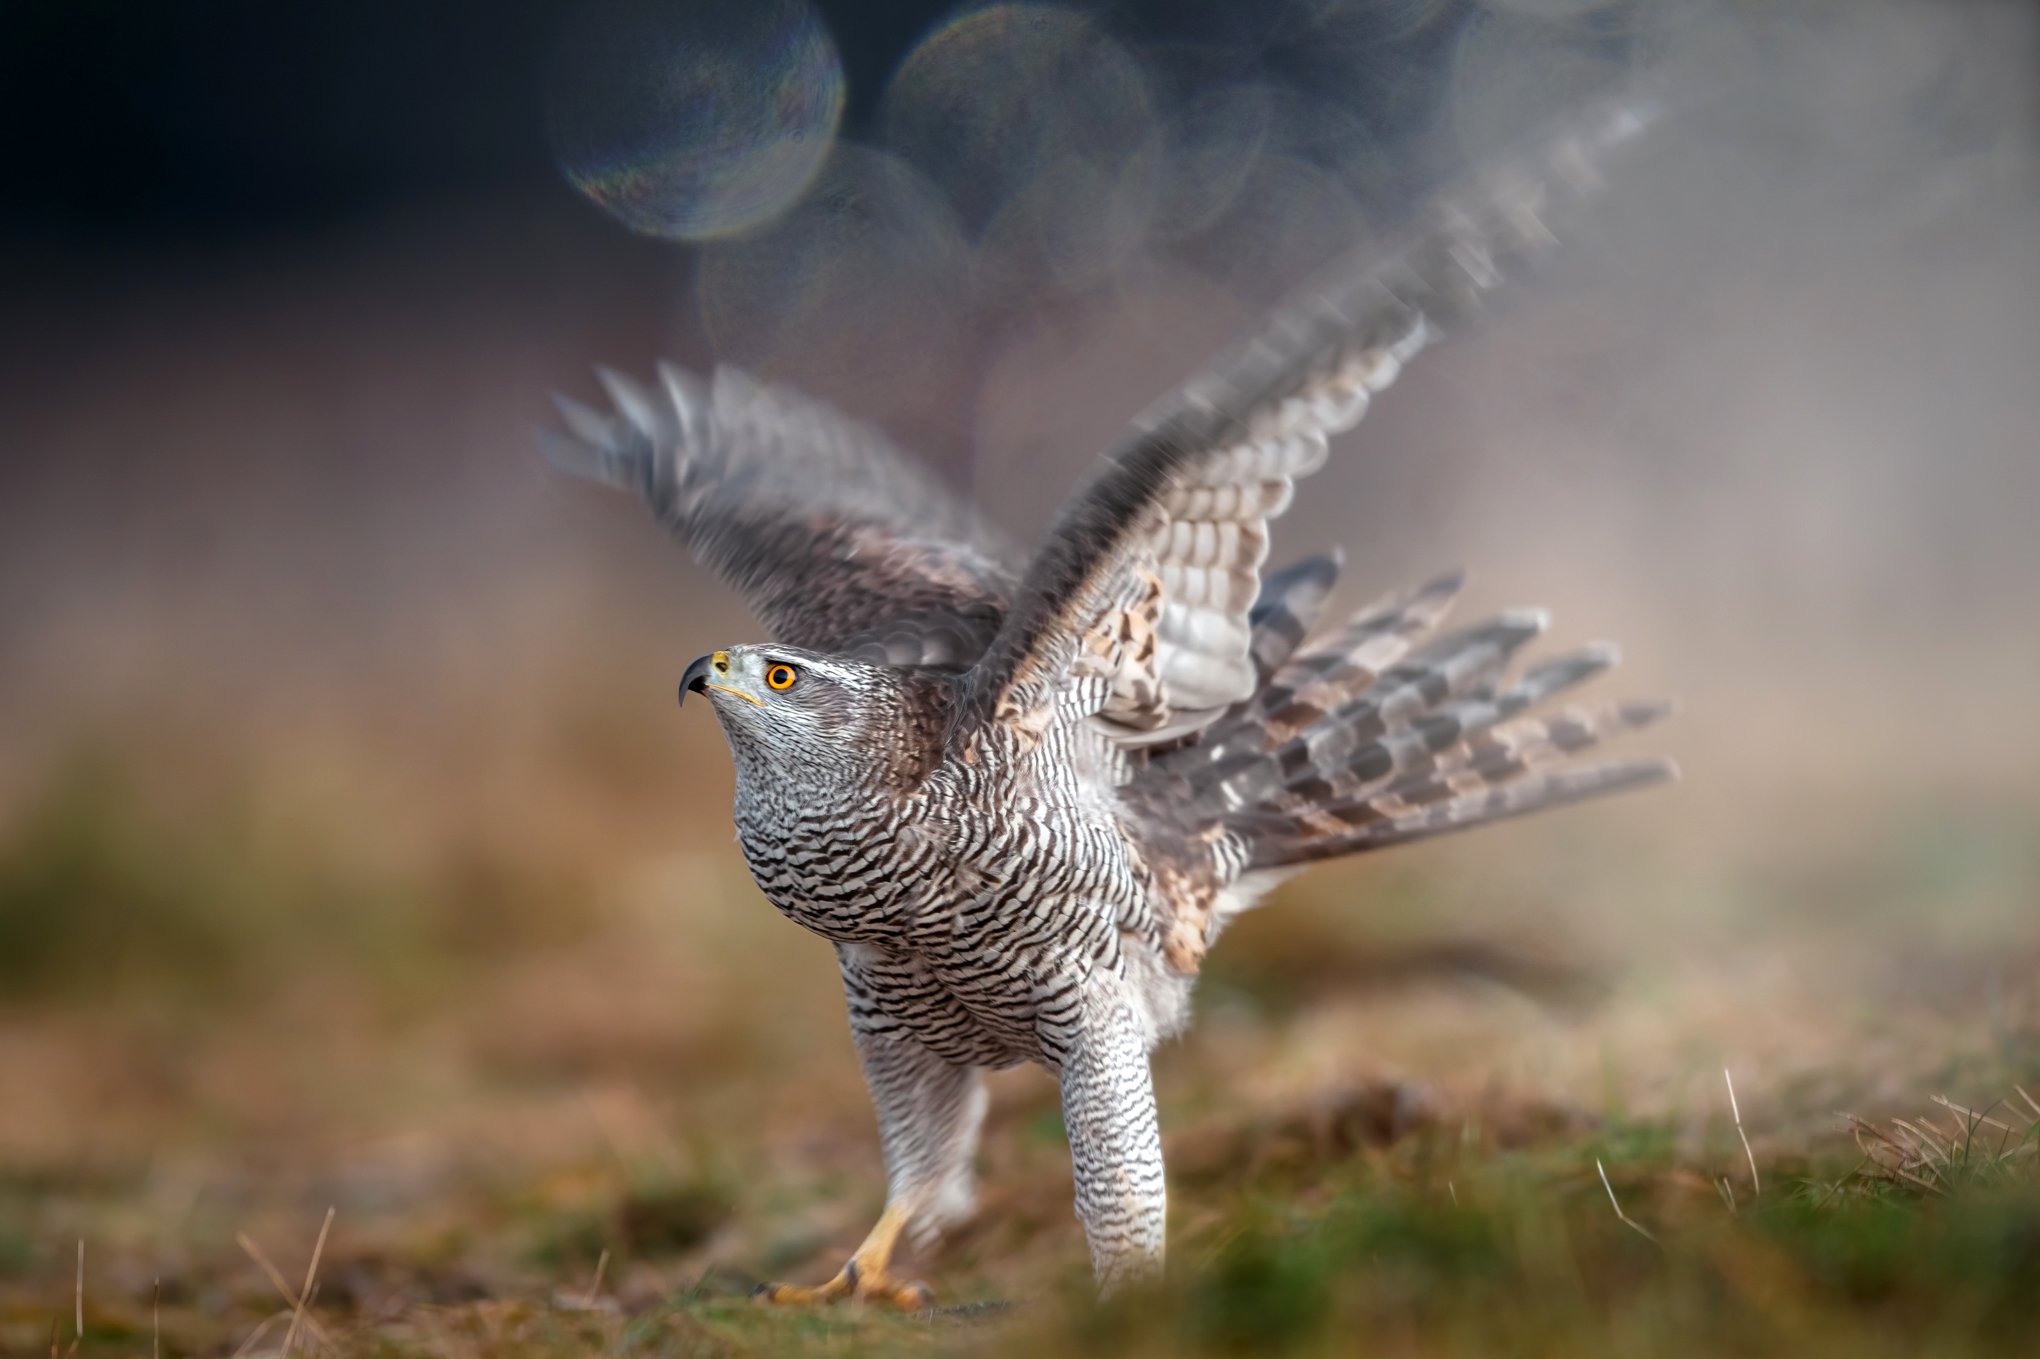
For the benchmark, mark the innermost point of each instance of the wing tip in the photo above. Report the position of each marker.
(1581, 782)
(1321, 572)
(1642, 771)
(584, 422)
(632, 401)
(1449, 582)
(566, 452)
(1526, 622)
(1637, 713)
(1605, 655)
(594, 445)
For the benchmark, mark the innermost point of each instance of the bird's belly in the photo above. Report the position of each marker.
(1026, 929)
(986, 1037)
(988, 1002)
(999, 925)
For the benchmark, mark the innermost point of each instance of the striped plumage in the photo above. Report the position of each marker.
(1023, 799)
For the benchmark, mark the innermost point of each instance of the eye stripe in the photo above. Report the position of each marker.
(780, 676)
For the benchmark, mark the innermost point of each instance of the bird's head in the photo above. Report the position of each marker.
(788, 711)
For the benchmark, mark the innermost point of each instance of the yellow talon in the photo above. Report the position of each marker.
(863, 1279)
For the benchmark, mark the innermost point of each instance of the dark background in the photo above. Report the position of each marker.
(287, 286)
(134, 125)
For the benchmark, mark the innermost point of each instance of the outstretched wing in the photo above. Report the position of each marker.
(1144, 582)
(835, 539)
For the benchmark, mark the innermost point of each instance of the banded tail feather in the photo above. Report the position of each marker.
(1376, 735)
(1557, 787)
(1510, 749)
(1319, 680)
(1298, 753)
(1430, 769)
(1288, 607)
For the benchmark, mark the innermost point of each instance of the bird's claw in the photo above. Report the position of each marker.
(851, 1285)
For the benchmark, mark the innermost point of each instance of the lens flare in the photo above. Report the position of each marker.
(698, 120)
(1213, 141)
(870, 267)
(1289, 217)
(1041, 129)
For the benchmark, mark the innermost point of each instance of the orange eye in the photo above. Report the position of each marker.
(781, 677)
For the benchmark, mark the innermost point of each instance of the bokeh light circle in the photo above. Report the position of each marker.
(1041, 129)
(860, 287)
(697, 119)
(1213, 144)
(1289, 218)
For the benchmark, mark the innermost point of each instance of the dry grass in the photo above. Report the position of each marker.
(569, 1086)
(1995, 1147)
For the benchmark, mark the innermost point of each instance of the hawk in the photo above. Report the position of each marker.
(1023, 797)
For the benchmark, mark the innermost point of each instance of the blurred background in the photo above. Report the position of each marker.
(353, 852)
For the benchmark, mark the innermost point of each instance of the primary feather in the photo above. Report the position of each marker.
(836, 539)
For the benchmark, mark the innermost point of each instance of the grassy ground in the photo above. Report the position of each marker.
(385, 883)
(567, 1086)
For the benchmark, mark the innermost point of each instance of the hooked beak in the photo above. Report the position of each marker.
(695, 680)
(702, 674)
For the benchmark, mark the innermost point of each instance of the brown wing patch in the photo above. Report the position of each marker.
(1127, 645)
(1188, 879)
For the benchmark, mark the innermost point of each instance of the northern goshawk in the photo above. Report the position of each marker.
(1023, 798)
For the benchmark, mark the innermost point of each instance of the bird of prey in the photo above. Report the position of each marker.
(1022, 798)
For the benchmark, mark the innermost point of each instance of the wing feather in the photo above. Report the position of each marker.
(1186, 499)
(835, 539)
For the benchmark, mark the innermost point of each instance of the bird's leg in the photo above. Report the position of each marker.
(1108, 1104)
(929, 1112)
(864, 1277)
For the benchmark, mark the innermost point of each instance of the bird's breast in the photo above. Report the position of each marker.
(947, 875)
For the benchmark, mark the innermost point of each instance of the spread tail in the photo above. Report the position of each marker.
(1385, 732)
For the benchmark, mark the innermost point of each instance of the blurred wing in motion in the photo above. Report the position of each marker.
(1147, 576)
(835, 539)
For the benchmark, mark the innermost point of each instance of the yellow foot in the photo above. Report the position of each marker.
(852, 1284)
